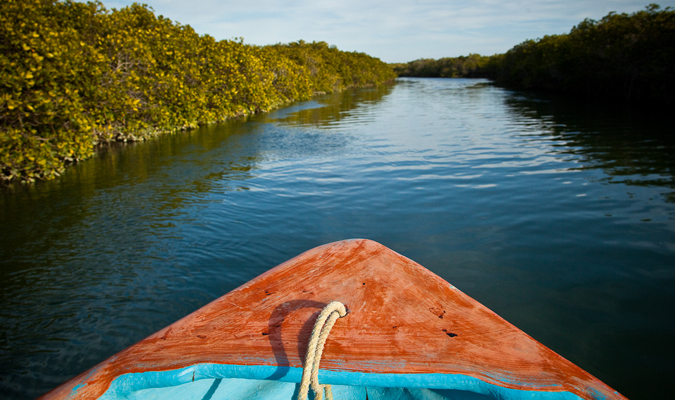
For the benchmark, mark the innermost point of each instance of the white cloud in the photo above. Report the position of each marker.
(394, 30)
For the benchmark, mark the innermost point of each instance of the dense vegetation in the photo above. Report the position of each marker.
(76, 74)
(629, 57)
(471, 66)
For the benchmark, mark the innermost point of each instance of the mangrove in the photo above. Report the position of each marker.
(75, 75)
(625, 57)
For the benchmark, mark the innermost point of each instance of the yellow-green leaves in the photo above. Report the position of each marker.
(75, 74)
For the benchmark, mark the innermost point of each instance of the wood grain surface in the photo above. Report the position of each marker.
(401, 319)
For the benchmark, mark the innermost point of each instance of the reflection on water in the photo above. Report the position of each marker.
(631, 146)
(332, 109)
(119, 247)
(556, 216)
(82, 258)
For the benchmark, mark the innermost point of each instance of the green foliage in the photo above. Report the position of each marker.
(47, 71)
(628, 57)
(76, 74)
(333, 70)
(471, 66)
(622, 56)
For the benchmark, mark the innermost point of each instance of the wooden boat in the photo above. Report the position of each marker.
(408, 334)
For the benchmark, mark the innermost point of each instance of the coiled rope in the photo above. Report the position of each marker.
(310, 372)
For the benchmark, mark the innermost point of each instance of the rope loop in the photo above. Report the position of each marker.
(310, 372)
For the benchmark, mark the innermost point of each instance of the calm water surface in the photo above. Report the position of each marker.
(558, 216)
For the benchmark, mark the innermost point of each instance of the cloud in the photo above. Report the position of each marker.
(394, 30)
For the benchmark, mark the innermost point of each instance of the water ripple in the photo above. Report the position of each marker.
(558, 218)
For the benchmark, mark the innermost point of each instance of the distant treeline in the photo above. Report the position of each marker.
(471, 66)
(628, 57)
(76, 74)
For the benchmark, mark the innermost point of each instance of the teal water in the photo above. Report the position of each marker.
(558, 216)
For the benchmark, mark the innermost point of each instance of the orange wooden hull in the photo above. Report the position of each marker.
(404, 323)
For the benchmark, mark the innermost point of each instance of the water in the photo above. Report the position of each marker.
(558, 216)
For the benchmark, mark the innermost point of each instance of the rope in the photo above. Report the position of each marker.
(310, 372)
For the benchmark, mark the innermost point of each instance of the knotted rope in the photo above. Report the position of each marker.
(310, 373)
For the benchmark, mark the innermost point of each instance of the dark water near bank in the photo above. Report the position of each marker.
(558, 216)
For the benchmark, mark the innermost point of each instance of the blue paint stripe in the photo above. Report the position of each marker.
(129, 383)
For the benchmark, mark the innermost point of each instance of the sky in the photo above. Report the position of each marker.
(391, 30)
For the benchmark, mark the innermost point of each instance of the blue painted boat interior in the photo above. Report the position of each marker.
(221, 389)
(220, 382)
